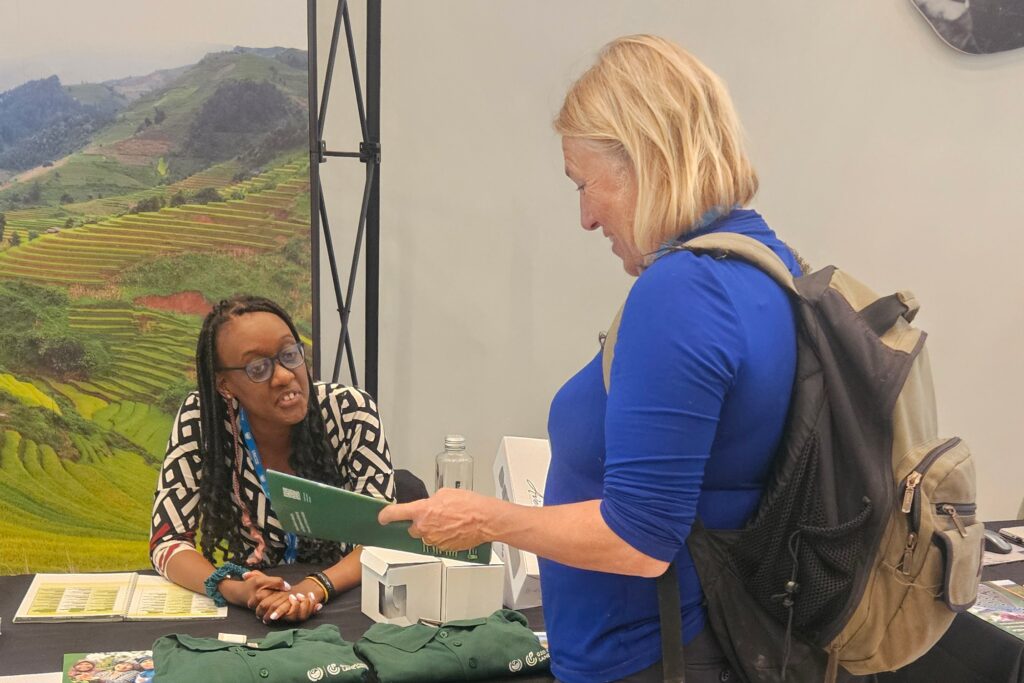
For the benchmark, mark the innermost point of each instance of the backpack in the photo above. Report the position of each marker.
(865, 543)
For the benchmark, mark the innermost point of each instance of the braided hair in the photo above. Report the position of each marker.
(220, 520)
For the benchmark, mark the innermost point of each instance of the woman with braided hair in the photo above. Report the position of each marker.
(257, 408)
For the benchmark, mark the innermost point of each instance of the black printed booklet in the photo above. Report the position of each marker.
(112, 597)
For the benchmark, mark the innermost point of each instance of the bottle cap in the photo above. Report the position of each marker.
(455, 442)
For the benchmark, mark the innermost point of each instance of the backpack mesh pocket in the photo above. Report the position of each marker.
(791, 541)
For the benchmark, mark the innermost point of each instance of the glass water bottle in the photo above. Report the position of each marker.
(454, 466)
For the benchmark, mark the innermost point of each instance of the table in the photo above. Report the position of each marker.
(35, 648)
(972, 651)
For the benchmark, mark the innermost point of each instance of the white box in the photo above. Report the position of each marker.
(400, 588)
(520, 471)
(471, 590)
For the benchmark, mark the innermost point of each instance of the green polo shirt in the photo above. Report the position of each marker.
(313, 655)
(467, 650)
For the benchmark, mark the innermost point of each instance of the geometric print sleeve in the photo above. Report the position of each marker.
(176, 504)
(355, 433)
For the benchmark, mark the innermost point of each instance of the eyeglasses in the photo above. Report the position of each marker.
(261, 369)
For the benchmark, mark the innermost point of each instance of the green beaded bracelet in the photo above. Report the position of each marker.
(225, 571)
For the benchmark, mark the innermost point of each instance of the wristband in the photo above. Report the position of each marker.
(331, 590)
(327, 593)
(327, 584)
(225, 571)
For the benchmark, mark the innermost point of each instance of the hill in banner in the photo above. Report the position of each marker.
(129, 134)
(148, 198)
(41, 120)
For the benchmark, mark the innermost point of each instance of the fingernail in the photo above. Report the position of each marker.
(319, 607)
(273, 616)
(302, 596)
(312, 598)
(292, 598)
(287, 586)
(245, 574)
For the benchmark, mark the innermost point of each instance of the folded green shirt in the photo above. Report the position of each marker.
(296, 654)
(467, 650)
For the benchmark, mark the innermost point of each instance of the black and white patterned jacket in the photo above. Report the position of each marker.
(354, 431)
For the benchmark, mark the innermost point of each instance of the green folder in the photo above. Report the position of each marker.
(309, 508)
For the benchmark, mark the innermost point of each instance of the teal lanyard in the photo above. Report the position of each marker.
(291, 543)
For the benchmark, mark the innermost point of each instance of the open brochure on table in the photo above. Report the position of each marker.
(112, 597)
(1001, 603)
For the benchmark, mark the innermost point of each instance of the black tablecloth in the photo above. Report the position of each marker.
(38, 648)
(972, 651)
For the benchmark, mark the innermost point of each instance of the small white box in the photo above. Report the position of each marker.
(471, 590)
(520, 471)
(400, 588)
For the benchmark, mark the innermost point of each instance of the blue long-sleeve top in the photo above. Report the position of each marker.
(700, 386)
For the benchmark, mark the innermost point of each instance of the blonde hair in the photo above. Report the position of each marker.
(660, 109)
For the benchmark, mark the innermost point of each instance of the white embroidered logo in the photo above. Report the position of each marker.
(333, 669)
(515, 666)
(315, 674)
(531, 659)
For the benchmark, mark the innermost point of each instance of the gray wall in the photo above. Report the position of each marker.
(879, 149)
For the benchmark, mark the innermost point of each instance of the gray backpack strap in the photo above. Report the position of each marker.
(746, 249)
(726, 244)
(608, 348)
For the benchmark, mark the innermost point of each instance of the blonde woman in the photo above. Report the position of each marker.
(700, 382)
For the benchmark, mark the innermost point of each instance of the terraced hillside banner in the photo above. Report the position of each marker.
(127, 206)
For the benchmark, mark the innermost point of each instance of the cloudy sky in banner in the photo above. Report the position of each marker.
(100, 40)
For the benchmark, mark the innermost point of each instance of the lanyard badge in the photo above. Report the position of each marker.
(291, 541)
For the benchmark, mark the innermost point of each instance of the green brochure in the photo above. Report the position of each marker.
(309, 508)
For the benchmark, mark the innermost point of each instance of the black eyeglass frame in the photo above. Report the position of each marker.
(274, 360)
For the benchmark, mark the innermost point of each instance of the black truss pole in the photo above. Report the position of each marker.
(344, 342)
(342, 7)
(373, 43)
(355, 65)
(369, 153)
(370, 173)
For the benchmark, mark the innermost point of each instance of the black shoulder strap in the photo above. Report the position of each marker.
(673, 663)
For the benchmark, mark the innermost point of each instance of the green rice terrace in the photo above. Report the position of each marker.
(143, 207)
(69, 487)
(132, 287)
(93, 253)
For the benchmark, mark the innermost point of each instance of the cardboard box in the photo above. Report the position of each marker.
(400, 588)
(520, 471)
(471, 590)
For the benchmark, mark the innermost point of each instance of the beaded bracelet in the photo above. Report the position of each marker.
(225, 571)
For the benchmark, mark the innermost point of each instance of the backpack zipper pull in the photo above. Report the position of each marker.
(908, 553)
(951, 511)
(908, 494)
